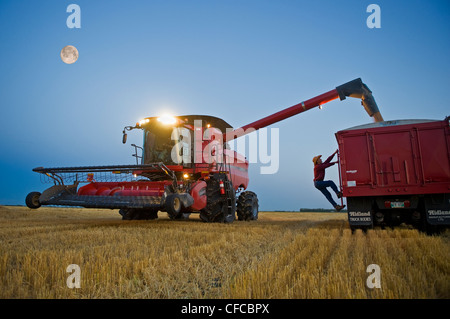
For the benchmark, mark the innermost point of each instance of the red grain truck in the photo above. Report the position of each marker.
(395, 172)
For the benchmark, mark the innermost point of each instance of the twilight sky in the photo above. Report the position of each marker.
(238, 60)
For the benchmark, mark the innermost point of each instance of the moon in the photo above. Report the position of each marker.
(69, 54)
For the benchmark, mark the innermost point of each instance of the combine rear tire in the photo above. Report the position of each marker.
(32, 200)
(217, 209)
(247, 206)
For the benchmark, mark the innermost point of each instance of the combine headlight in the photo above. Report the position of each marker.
(144, 121)
(167, 119)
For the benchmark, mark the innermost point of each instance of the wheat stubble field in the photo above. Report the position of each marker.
(282, 255)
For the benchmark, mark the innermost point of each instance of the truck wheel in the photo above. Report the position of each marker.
(217, 209)
(431, 229)
(173, 206)
(32, 200)
(247, 206)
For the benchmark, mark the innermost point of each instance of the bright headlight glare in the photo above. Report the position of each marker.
(167, 119)
(144, 121)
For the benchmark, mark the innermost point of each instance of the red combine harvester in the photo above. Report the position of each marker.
(397, 172)
(176, 175)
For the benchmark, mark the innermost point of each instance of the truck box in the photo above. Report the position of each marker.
(396, 166)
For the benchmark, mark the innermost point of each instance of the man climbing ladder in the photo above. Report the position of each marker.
(320, 184)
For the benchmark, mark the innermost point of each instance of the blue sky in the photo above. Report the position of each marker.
(238, 60)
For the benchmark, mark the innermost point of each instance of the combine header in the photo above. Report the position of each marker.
(186, 166)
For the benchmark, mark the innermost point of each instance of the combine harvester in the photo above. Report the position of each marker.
(180, 177)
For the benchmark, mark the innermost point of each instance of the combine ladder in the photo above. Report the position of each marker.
(228, 188)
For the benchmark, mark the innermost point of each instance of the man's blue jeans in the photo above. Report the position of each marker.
(322, 186)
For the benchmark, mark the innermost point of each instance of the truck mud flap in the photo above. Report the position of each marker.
(437, 208)
(360, 211)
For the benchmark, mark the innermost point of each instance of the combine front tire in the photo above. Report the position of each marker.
(32, 200)
(247, 206)
(219, 208)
